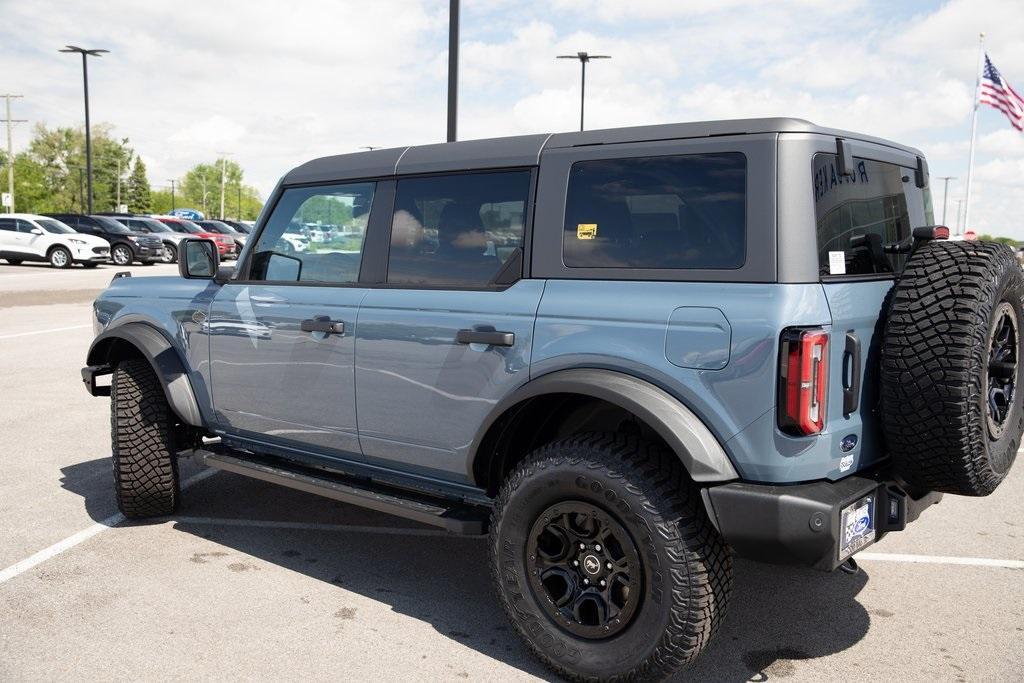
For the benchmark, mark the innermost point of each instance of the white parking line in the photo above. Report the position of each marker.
(83, 535)
(55, 329)
(940, 559)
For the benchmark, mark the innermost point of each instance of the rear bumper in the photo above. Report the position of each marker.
(801, 523)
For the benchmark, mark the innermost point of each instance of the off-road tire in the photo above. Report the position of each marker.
(687, 577)
(141, 431)
(60, 257)
(934, 367)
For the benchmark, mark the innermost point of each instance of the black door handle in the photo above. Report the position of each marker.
(485, 337)
(851, 374)
(323, 325)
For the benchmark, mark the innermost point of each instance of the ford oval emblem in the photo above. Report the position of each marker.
(848, 443)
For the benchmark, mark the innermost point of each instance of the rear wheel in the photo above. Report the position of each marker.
(951, 371)
(60, 257)
(141, 427)
(605, 561)
(121, 255)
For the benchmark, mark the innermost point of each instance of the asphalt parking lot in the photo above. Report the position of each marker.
(250, 581)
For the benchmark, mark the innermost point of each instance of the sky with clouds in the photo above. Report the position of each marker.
(278, 83)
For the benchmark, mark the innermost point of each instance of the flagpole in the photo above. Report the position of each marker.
(974, 129)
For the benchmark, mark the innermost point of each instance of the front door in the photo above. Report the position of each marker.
(282, 336)
(450, 332)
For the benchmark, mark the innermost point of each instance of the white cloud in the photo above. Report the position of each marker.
(278, 84)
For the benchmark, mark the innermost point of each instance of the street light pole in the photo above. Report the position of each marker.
(88, 135)
(172, 193)
(453, 68)
(945, 192)
(223, 177)
(584, 57)
(10, 151)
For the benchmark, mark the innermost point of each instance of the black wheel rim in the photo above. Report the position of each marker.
(1001, 371)
(584, 569)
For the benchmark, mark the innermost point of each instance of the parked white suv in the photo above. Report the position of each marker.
(28, 237)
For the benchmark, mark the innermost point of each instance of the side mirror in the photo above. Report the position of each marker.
(36, 231)
(198, 259)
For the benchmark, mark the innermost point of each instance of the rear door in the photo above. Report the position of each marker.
(450, 330)
(855, 215)
(9, 241)
(282, 337)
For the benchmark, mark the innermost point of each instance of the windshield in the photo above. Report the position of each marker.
(111, 225)
(154, 225)
(50, 225)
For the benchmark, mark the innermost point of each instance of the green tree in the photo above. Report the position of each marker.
(138, 189)
(201, 189)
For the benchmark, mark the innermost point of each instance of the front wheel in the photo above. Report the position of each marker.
(142, 437)
(121, 255)
(605, 561)
(170, 254)
(60, 257)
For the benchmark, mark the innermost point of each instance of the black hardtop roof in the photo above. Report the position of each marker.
(525, 150)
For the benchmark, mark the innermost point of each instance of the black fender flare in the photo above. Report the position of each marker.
(161, 354)
(685, 433)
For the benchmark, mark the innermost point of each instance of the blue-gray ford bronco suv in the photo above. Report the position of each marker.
(628, 355)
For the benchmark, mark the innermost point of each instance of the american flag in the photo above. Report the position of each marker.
(996, 92)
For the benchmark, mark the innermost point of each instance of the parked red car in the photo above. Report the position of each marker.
(225, 244)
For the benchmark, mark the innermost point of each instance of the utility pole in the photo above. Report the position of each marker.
(117, 207)
(10, 151)
(239, 200)
(453, 68)
(945, 192)
(584, 58)
(172, 193)
(85, 82)
(223, 177)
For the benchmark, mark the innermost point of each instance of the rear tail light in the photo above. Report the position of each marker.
(803, 380)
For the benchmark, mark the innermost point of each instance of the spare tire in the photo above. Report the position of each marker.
(950, 370)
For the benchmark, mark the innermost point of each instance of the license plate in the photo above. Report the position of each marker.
(857, 526)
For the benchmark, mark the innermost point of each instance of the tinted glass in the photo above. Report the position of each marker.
(850, 209)
(110, 225)
(8, 224)
(457, 230)
(25, 226)
(657, 212)
(50, 225)
(153, 225)
(314, 235)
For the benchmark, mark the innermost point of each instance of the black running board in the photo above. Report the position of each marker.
(454, 517)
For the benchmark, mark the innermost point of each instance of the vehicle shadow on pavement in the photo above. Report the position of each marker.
(777, 615)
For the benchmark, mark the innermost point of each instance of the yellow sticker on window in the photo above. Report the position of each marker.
(586, 231)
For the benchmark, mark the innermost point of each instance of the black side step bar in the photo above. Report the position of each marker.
(456, 518)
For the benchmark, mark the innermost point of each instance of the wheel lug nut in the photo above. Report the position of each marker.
(603, 583)
(575, 563)
(608, 565)
(586, 582)
(597, 547)
(582, 547)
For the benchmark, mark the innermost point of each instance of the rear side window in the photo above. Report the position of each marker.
(8, 224)
(685, 211)
(457, 230)
(858, 215)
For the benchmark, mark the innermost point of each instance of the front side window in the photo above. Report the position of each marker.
(111, 226)
(857, 216)
(315, 234)
(457, 230)
(686, 211)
